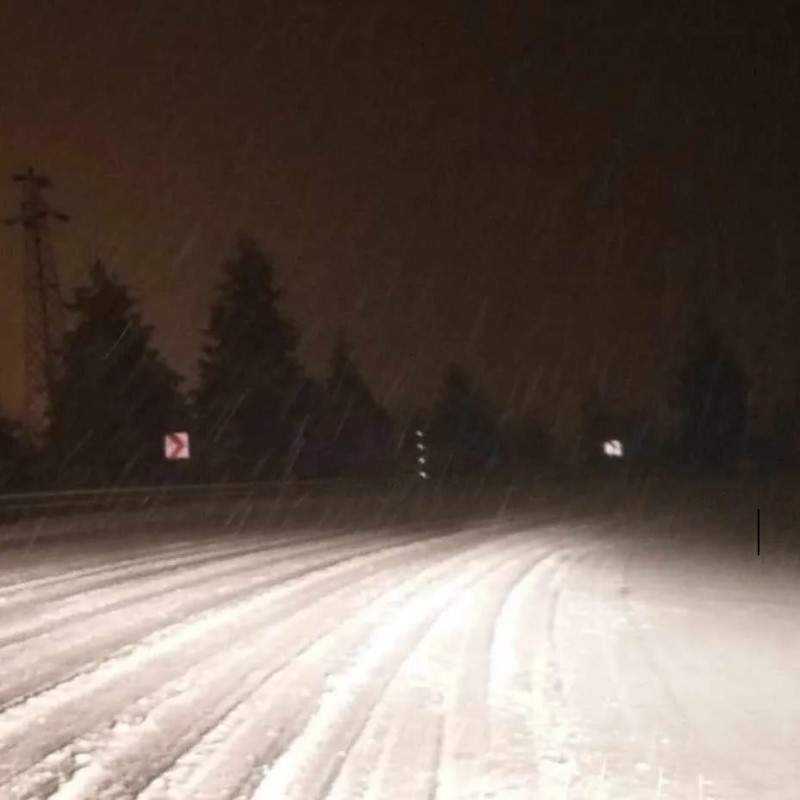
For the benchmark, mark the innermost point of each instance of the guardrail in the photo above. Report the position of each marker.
(35, 505)
(26, 505)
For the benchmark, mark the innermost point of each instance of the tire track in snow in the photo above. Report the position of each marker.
(559, 769)
(40, 591)
(423, 718)
(112, 595)
(51, 720)
(217, 763)
(529, 741)
(473, 765)
(40, 568)
(56, 658)
(41, 575)
(309, 765)
(205, 785)
(73, 649)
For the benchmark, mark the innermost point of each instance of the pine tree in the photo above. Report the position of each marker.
(312, 421)
(464, 426)
(115, 397)
(248, 400)
(712, 399)
(360, 437)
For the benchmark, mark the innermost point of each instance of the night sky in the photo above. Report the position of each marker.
(542, 190)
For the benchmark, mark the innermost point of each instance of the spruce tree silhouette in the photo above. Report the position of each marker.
(114, 397)
(712, 399)
(361, 426)
(248, 402)
(464, 426)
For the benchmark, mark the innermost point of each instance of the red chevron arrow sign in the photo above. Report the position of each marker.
(176, 446)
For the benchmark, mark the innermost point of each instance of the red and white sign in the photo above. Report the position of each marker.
(176, 446)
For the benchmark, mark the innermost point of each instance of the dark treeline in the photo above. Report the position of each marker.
(256, 413)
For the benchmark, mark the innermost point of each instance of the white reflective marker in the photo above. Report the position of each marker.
(613, 448)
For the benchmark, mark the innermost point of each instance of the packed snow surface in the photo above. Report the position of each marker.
(511, 657)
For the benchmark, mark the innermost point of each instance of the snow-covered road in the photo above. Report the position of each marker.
(509, 659)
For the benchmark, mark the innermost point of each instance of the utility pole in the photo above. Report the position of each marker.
(44, 311)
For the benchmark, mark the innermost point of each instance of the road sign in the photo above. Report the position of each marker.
(176, 446)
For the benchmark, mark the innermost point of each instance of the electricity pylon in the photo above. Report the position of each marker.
(44, 310)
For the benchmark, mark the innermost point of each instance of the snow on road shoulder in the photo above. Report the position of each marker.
(689, 692)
